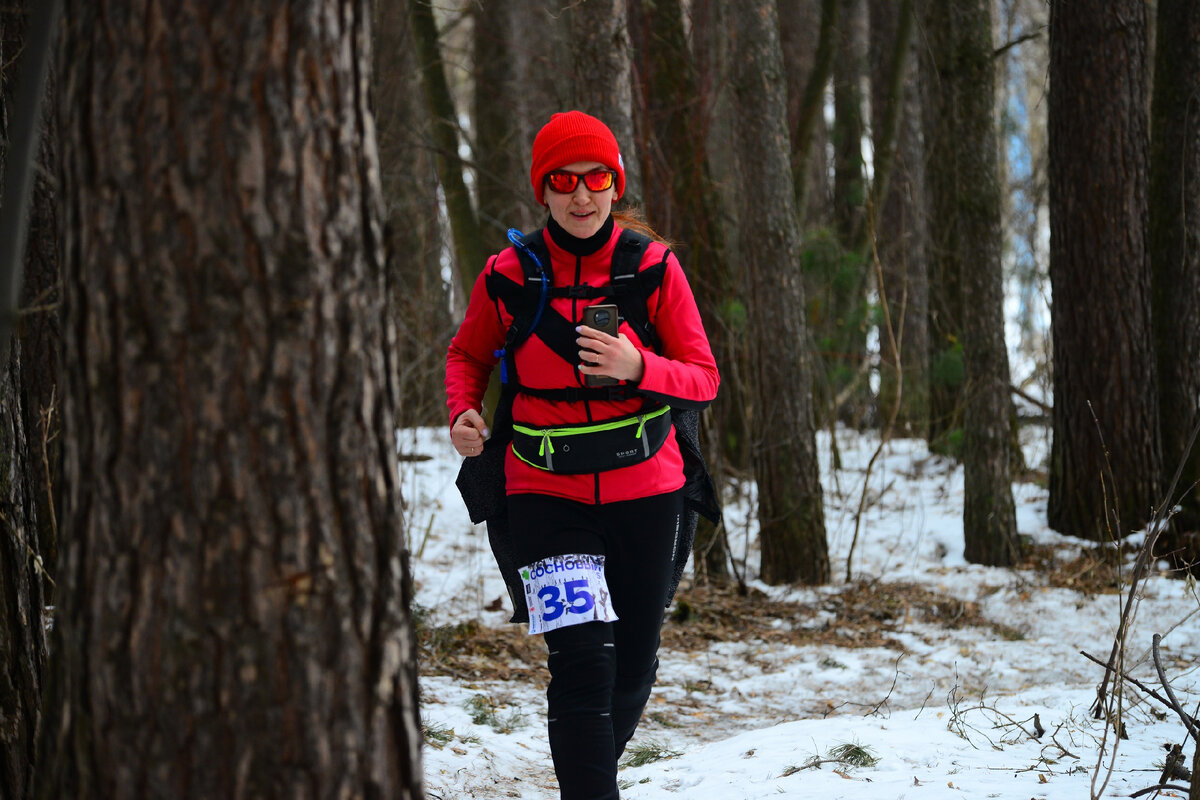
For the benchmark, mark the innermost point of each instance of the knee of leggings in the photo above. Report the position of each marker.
(581, 679)
(636, 683)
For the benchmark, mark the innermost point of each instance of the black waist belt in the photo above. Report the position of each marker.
(593, 446)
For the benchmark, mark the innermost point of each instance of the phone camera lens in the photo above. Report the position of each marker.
(602, 318)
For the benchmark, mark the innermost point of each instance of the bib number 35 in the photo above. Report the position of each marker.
(566, 590)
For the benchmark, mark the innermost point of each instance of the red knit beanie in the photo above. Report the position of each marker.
(570, 137)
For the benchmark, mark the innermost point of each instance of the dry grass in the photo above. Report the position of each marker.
(860, 615)
(474, 652)
(1091, 571)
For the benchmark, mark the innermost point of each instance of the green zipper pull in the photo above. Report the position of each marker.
(641, 433)
(547, 442)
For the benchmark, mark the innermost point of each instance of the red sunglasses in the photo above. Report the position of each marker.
(563, 182)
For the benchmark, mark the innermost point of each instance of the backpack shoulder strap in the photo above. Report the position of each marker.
(632, 286)
(526, 301)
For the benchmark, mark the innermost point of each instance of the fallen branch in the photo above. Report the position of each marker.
(1159, 788)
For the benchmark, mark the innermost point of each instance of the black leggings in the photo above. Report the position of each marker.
(601, 672)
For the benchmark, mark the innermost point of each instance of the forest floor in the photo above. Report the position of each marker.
(919, 676)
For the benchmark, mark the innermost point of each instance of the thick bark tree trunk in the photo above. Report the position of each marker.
(25, 533)
(1175, 258)
(967, 200)
(900, 224)
(22, 632)
(419, 297)
(682, 203)
(234, 614)
(1105, 457)
(601, 60)
(790, 513)
(502, 143)
(946, 317)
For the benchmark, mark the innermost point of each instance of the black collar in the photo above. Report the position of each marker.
(580, 247)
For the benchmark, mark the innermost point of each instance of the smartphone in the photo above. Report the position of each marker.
(601, 317)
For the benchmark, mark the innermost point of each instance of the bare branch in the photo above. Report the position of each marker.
(1188, 722)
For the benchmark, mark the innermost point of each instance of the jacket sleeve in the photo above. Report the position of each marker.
(685, 373)
(472, 353)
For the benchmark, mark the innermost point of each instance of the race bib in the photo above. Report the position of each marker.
(566, 590)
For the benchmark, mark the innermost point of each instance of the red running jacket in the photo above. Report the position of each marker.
(684, 371)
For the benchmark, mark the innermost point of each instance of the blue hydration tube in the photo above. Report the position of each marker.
(516, 237)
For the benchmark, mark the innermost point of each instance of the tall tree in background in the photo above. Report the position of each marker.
(234, 588)
(601, 55)
(469, 253)
(681, 201)
(790, 511)
(1105, 458)
(946, 317)
(837, 281)
(849, 69)
(498, 162)
(518, 85)
(1175, 257)
(964, 195)
(27, 472)
(808, 57)
(808, 34)
(413, 231)
(898, 218)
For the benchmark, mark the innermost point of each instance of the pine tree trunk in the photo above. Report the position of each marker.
(1105, 457)
(946, 317)
(419, 297)
(22, 632)
(1175, 257)
(469, 253)
(790, 513)
(501, 142)
(235, 589)
(972, 209)
(682, 203)
(601, 58)
(23, 536)
(901, 225)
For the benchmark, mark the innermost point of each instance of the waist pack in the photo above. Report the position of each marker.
(593, 447)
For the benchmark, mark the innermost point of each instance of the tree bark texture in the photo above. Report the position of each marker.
(235, 590)
(22, 632)
(23, 568)
(966, 200)
(503, 134)
(946, 317)
(900, 225)
(601, 64)
(418, 296)
(38, 327)
(791, 516)
(681, 202)
(1175, 258)
(1105, 458)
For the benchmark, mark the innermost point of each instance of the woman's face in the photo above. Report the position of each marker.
(582, 212)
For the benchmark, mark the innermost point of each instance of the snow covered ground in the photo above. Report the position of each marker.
(941, 671)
